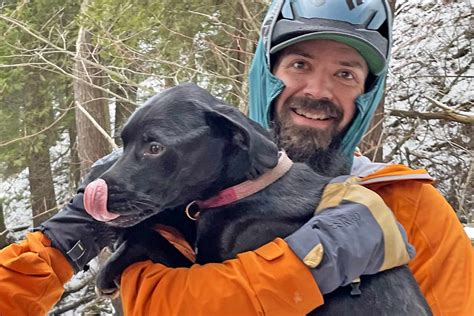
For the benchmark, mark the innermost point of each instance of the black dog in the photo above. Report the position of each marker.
(184, 145)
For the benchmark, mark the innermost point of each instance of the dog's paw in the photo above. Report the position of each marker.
(111, 293)
(106, 284)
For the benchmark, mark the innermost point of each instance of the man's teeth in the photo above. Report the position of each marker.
(313, 116)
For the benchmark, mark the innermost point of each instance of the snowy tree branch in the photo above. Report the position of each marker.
(447, 115)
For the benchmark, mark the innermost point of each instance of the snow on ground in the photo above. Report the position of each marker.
(470, 233)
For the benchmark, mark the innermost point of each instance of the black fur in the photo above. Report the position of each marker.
(208, 146)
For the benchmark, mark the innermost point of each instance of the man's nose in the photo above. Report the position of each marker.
(319, 87)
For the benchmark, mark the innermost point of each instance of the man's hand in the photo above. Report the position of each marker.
(73, 231)
(76, 234)
(353, 233)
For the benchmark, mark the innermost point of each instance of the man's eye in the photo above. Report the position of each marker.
(299, 65)
(154, 149)
(346, 75)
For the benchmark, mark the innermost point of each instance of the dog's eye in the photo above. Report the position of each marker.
(154, 149)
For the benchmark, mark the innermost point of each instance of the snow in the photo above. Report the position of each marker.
(470, 232)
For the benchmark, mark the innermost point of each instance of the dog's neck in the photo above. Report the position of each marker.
(244, 189)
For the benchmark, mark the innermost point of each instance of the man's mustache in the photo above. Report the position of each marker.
(324, 106)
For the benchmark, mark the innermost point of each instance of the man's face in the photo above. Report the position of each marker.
(322, 80)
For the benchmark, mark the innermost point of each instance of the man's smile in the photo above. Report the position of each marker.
(315, 117)
(313, 114)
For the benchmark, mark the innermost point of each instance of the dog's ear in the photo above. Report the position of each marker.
(252, 138)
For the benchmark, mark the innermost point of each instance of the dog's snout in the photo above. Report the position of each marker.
(115, 183)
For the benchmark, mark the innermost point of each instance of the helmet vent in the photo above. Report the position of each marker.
(370, 17)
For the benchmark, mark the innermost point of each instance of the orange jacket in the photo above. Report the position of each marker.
(444, 261)
(32, 275)
(270, 280)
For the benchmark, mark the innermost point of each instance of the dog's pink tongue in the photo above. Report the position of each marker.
(95, 201)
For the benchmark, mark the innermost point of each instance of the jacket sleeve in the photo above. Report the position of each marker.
(268, 281)
(271, 280)
(32, 276)
(444, 261)
(445, 257)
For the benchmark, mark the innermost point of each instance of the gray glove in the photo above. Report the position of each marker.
(73, 231)
(354, 233)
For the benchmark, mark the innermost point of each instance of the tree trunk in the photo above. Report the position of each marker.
(42, 193)
(43, 197)
(237, 54)
(75, 163)
(243, 48)
(123, 109)
(91, 143)
(3, 228)
(371, 145)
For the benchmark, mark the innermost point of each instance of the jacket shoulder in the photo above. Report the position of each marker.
(376, 172)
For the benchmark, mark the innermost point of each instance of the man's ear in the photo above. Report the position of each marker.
(250, 138)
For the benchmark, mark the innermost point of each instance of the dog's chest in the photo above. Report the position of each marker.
(223, 233)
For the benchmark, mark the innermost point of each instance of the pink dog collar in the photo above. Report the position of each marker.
(245, 188)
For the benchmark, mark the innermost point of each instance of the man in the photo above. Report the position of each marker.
(319, 73)
(317, 78)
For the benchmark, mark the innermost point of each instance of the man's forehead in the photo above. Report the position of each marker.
(313, 49)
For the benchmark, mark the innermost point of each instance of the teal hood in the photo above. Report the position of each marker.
(264, 88)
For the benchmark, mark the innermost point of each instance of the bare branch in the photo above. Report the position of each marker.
(72, 305)
(466, 187)
(450, 109)
(432, 116)
(77, 286)
(86, 82)
(62, 50)
(96, 125)
(250, 18)
(37, 133)
(400, 143)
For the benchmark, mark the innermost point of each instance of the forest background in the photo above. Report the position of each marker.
(72, 72)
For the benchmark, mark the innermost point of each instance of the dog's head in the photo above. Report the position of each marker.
(182, 145)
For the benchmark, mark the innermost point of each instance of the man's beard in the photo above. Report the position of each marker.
(319, 148)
